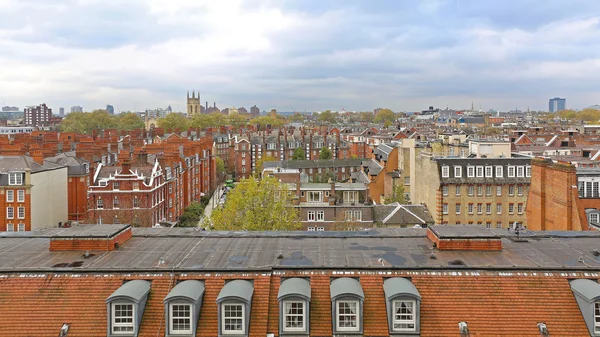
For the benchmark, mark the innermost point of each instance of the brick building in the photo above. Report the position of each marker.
(78, 171)
(37, 116)
(340, 170)
(385, 282)
(484, 191)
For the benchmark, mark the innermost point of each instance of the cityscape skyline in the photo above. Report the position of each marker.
(296, 56)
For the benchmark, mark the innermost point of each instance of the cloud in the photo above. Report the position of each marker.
(295, 54)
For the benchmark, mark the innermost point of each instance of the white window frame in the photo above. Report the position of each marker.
(10, 196)
(479, 171)
(20, 210)
(320, 216)
(595, 217)
(471, 190)
(172, 318)
(470, 171)
(320, 229)
(20, 195)
(223, 318)
(311, 194)
(338, 315)
(10, 227)
(99, 203)
(511, 187)
(116, 185)
(499, 190)
(470, 208)
(499, 172)
(350, 196)
(457, 171)
(498, 208)
(10, 212)
(311, 214)
(528, 171)
(15, 179)
(520, 190)
(457, 192)
(357, 215)
(520, 171)
(596, 317)
(444, 208)
(489, 171)
(311, 229)
(413, 321)
(458, 208)
(445, 190)
(114, 323)
(511, 171)
(21, 227)
(445, 171)
(285, 315)
(520, 208)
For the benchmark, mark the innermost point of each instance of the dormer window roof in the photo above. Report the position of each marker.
(587, 294)
(125, 308)
(182, 308)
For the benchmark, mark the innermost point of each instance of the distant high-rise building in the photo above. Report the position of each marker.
(110, 109)
(38, 115)
(76, 108)
(557, 104)
(61, 112)
(242, 110)
(10, 109)
(273, 113)
(255, 111)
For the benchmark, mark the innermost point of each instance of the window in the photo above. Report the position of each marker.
(116, 185)
(10, 196)
(471, 190)
(294, 316)
(528, 171)
(404, 316)
(594, 217)
(311, 216)
(116, 202)
(357, 215)
(311, 229)
(233, 318)
(320, 229)
(10, 212)
(511, 190)
(499, 190)
(479, 171)
(489, 171)
(320, 215)
(350, 196)
(170, 188)
(15, 178)
(445, 190)
(520, 208)
(511, 208)
(100, 204)
(470, 171)
(314, 196)
(21, 212)
(488, 225)
(479, 190)
(597, 317)
(488, 208)
(470, 208)
(511, 171)
(499, 172)
(10, 227)
(170, 202)
(457, 171)
(136, 185)
(21, 196)
(498, 208)
(445, 208)
(136, 202)
(488, 190)
(457, 208)
(520, 171)
(122, 314)
(479, 208)
(520, 190)
(445, 171)
(347, 315)
(498, 224)
(181, 319)
(457, 190)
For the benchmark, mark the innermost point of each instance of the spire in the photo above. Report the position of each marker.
(193, 94)
(188, 94)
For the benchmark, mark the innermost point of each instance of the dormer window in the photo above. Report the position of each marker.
(587, 294)
(15, 178)
(125, 308)
(403, 303)
(234, 303)
(347, 305)
(294, 306)
(182, 308)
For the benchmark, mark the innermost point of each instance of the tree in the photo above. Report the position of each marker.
(325, 153)
(297, 117)
(215, 119)
(75, 122)
(397, 195)
(129, 121)
(366, 117)
(261, 162)
(327, 117)
(220, 165)
(174, 121)
(299, 154)
(257, 205)
(325, 177)
(385, 115)
(264, 121)
(387, 124)
(237, 120)
(191, 215)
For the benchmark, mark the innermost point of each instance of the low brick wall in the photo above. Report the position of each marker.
(95, 243)
(465, 244)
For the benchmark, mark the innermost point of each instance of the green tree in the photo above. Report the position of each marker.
(324, 177)
(129, 121)
(397, 195)
(257, 205)
(237, 120)
(297, 117)
(325, 153)
(261, 162)
(220, 165)
(191, 215)
(327, 117)
(215, 119)
(387, 124)
(263, 121)
(366, 117)
(299, 154)
(76, 122)
(385, 115)
(174, 121)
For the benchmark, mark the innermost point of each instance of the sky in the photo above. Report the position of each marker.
(297, 55)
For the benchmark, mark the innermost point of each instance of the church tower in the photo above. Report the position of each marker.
(193, 104)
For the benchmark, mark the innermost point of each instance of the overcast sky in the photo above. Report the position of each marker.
(300, 55)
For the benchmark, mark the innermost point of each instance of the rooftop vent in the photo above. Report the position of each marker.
(543, 329)
(463, 237)
(64, 330)
(90, 238)
(463, 328)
